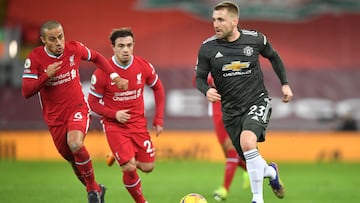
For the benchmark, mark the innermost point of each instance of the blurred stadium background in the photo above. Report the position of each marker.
(317, 39)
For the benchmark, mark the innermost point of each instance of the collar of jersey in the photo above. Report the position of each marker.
(113, 58)
(50, 54)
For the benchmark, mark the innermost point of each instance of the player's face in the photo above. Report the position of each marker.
(224, 24)
(123, 49)
(54, 40)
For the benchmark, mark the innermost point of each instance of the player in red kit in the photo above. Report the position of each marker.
(232, 159)
(52, 71)
(122, 112)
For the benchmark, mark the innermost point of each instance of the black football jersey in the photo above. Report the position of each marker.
(235, 68)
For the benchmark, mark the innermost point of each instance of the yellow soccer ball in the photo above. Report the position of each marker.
(193, 198)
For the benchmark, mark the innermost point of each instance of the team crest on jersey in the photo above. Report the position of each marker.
(138, 78)
(73, 73)
(27, 65)
(248, 51)
(72, 60)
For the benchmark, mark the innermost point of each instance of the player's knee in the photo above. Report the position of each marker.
(146, 167)
(75, 145)
(75, 140)
(129, 166)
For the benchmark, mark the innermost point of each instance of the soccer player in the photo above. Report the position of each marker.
(122, 112)
(232, 58)
(52, 71)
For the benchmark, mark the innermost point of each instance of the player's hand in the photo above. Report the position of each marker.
(121, 83)
(122, 116)
(158, 129)
(53, 68)
(287, 93)
(212, 95)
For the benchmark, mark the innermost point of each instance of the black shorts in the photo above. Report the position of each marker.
(255, 119)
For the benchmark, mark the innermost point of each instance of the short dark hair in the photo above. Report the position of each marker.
(48, 25)
(120, 32)
(232, 7)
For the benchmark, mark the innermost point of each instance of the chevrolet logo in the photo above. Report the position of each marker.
(236, 66)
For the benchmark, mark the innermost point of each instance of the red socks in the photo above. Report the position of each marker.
(242, 164)
(132, 183)
(230, 167)
(84, 166)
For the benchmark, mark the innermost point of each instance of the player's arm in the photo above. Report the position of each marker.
(32, 83)
(159, 95)
(275, 60)
(210, 80)
(202, 70)
(279, 69)
(154, 82)
(96, 95)
(104, 65)
(202, 73)
(96, 105)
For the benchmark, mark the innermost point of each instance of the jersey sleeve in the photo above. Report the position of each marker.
(153, 80)
(32, 80)
(98, 59)
(274, 58)
(151, 76)
(202, 70)
(97, 88)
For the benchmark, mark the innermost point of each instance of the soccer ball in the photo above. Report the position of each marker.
(193, 198)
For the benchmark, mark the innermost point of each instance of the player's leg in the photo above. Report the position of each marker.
(231, 164)
(82, 159)
(123, 151)
(145, 156)
(258, 169)
(58, 134)
(254, 125)
(231, 157)
(255, 164)
(60, 139)
(132, 181)
(77, 125)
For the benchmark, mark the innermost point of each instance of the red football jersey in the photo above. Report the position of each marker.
(63, 91)
(139, 73)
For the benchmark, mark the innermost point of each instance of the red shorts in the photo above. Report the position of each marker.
(78, 119)
(220, 130)
(125, 145)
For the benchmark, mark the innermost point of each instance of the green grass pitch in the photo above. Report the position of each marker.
(54, 182)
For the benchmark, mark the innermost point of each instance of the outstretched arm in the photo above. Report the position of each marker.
(104, 65)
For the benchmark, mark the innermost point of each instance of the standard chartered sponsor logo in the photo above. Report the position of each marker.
(127, 95)
(62, 78)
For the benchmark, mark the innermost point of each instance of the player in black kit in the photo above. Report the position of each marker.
(231, 56)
